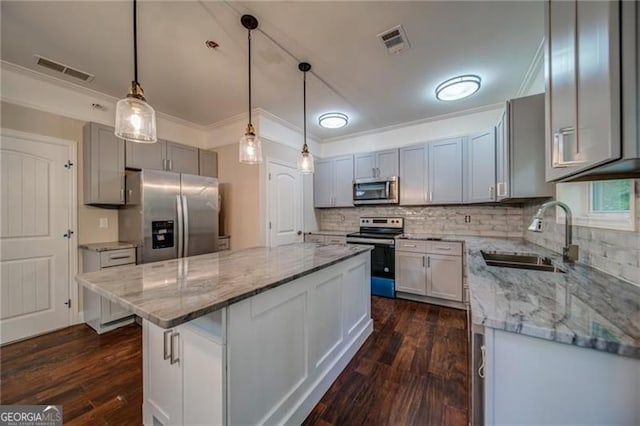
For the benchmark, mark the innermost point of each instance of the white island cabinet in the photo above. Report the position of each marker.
(244, 337)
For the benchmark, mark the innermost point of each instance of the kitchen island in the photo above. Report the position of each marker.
(244, 337)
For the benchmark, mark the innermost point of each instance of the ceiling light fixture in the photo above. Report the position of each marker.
(333, 120)
(250, 144)
(135, 118)
(305, 160)
(458, 87)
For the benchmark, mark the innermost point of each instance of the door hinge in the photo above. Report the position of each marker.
(68, 303)
(68, 164)
(68, 234)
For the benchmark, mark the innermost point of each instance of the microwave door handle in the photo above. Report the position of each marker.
(387, 189)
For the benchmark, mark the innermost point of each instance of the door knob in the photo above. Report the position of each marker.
(299, 232)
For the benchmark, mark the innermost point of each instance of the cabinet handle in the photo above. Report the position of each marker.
(129, 194)
(443, 248)
(174, 358)
(423, 261)
(164, 164)
(122, 194)
(430, 196)
(481, 369)
(170, 162)
(166, 352)
(409, 245)
(491, 192)
(428, 261)
(557, 155)
(126, 256)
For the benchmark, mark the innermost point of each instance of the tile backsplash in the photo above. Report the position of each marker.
(489, 220)
(614, 252)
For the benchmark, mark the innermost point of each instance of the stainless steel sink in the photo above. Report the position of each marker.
(520, 261)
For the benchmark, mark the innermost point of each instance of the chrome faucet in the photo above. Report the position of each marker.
(569, 251)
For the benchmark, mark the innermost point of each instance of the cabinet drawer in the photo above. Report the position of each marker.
(314, 238)
(415, 246)
(453, 249)
(223, 244)
(117, 257)
(335, 239)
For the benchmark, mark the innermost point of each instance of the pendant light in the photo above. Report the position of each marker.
(135, 118)
(250, 144)
(305, 160)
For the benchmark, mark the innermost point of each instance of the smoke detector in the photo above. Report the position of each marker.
(394, 40)
(62, 68)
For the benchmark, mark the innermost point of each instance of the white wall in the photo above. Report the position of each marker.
(42, 92)
(440, 127)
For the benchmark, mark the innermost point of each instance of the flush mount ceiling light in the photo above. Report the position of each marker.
(305, 160)
(250, 144)
(135, 118)
(333, 120)
(458, 87)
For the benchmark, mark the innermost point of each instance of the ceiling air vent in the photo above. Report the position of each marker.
(65, 69)
(394, 40)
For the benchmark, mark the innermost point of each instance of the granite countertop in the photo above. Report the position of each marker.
(173, 292)
(113, 245)
(332, 233)
(583, 306)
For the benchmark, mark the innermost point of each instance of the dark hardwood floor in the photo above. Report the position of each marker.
(412, 370)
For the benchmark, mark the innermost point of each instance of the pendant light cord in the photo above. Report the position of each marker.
(249, 37)
(304, 106)
(135, 41)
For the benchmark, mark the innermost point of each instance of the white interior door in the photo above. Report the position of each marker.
(285, 204)
(35, 198)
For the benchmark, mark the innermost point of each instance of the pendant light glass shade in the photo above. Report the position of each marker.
(135, 120)
(305, 159)
(250, 148)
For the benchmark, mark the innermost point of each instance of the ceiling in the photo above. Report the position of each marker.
(183, 78)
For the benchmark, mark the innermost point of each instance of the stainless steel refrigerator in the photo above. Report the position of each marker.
(169, 215)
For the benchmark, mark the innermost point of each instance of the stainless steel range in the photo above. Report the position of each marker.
(380, 232)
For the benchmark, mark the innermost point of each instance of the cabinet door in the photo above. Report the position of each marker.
(413, 175)
(111, 311)
(323, 183)
(480, 167)
(202, 365)
(444, 277)
(163, 390)
(182, 158)
(411, 272)
(208, 163)
(104, 166)
(387, 163)
(146, 155)
(445, 171)
(365, 166)
(502, 157)
(343, 181)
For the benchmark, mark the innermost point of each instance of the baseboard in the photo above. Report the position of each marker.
(431, 300)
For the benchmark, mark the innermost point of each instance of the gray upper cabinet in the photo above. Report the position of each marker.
(163, 155)
(182, 158)
(445, 171)
(146, 155)
(413, 175)
(480, 167)
(520, 157)
(103, 162)
(333, 182)
(376, 164)
(208, 163)
(583, 62)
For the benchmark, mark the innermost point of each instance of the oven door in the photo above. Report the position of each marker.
(375, 191)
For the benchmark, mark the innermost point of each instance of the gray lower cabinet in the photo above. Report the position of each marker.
(376, 164)
(445, 171)
(208, 163)
(411, 272)
(444, 277)
(103, 162)
(520, 153)
(414, 179)
(163, 155)
(99, 313)
(333, 182)
(480, 167)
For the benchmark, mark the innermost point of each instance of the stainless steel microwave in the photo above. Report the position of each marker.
(375, 190)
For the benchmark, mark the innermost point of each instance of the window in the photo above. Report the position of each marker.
(602, 204)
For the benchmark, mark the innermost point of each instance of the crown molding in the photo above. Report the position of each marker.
(416, 122)
(9, 66)
(532, 71)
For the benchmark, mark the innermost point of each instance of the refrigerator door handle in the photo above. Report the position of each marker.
(180, 224)
(185, 213)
